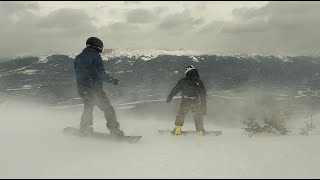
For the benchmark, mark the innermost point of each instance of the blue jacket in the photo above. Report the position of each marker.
(90, 72)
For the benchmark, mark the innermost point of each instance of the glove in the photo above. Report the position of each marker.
(115, 81)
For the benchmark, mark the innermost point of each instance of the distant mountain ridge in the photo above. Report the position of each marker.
(158, 71)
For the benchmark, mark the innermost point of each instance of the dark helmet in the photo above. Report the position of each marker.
(191, 72)
(189, 68)
(95, 43)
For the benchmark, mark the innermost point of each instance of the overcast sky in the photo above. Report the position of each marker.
(33, 28)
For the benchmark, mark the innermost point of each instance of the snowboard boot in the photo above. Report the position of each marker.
(85, 131)
(201, 133)
(116, 133)
(177, 130)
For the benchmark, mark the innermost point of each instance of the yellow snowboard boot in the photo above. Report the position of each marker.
(177, 130)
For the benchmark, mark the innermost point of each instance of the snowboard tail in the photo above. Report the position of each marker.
(101, 136)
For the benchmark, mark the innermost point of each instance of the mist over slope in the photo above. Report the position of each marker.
(33, 147)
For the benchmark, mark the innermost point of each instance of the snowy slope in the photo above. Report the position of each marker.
(32, 147)
(148, 54)
(44, 58)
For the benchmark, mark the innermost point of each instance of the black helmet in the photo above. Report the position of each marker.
(95, 43)
(189, 68)
(192, 72)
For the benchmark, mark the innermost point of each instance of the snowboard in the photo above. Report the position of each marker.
(191, 132)
(101, 136)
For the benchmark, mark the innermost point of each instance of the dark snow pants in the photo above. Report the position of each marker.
(195, 107)
(99, 98)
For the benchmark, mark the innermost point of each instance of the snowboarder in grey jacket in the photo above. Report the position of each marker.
(90, 76)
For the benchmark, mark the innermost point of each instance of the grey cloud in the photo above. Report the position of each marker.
(131, 2)
(141, 16)
(123, 35)
(101, 7)
(202, 6)
(252, 27)
(247, 13)
(274, 8)
(26, 32)
(297, 8)
(12, 7)
(289, 27)
(286, 26)
(180, 21)
(213, 27)
(120, 27)
(276, 15)
(12, 12)
(160, 10)
(68, 19)
(121, 32)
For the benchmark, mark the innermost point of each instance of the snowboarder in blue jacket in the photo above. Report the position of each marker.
(90, 76)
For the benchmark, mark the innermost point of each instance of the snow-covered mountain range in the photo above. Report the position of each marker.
(151, 73)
